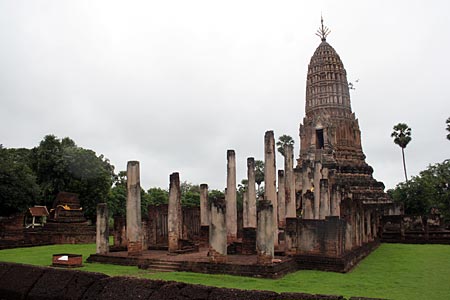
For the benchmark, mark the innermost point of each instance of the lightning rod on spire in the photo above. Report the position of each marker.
(323, 31)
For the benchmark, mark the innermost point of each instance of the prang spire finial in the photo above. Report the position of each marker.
(323, 31)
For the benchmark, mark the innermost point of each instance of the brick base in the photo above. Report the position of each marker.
(216, 257)
(204, 236)
(134, 248)
(264, 259)
(249, 241)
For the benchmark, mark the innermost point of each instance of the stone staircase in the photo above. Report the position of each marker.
(161, 266)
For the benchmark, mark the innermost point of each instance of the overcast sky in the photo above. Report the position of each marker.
(174, 84)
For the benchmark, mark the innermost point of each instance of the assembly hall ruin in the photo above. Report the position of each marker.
(320, 211)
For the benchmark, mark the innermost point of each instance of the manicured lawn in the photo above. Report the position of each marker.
(393, 271)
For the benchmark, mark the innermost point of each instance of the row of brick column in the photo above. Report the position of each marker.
(218, 215)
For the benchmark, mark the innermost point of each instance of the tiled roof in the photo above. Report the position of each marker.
(38, 211)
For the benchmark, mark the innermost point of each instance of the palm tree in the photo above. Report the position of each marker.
(448, 128)
(282, 141)
(402, 136)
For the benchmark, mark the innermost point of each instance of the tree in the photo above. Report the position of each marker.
(18, 188)
(117, 200)
(215, 194)
(402, 136)
(241, 189)
(448, 128)
(158, 196)
(48, 165)
(117, 197)
(87, 175)
(283, 141)
(430, 189)
(190, 194)
(60, 165)
(259, 173)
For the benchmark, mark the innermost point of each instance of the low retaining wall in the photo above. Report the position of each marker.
(336, 264)
(418, 237)
(263, 271)
(29, 282)
(61, 233)
(410, 229)
(268, 271)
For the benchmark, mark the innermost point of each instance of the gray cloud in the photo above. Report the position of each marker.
(175, 84)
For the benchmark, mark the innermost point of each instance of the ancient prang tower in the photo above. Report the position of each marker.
(331, 166)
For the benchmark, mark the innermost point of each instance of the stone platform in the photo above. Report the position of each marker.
(157, 260)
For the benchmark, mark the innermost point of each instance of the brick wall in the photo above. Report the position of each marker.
(410, 229)
(30, 282)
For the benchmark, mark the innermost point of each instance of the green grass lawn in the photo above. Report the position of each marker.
(393, 271)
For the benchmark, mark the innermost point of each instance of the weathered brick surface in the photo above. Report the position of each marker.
(218, 293)
(414, 230)
(121, 288)
(80, 283)
(4, 267)
(195, 292)
(51, 285)
(134, 248)
(249, 241)
(95, 289)
(169, 291)
(28, 282)
(286, 296)
(18, 281)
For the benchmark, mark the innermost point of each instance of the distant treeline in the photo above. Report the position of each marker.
(34, 176)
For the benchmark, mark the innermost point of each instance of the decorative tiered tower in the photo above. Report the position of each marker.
(332, 165)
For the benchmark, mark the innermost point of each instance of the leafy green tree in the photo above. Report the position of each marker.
(190, 194)
(18, 187)
(60, 165)
(145, 202)
(430, 189)
(283, 141)
(117, 197)
(158, 196)
(259, 174)
(49, 167)
(212, 194)
(87, 175)
(117, 200)
(448, 128)
(241, 189)
(402, 137)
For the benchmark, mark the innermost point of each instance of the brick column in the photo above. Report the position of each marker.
(204, 212)
(270, 192)
(218, 231)
(316, 191)
(231, 197)
(174, 218)
(250, 204)
(102, 238)
(324, 210)
(264, 233)
(308, 208)
(281, 200)
(289, 178)
(134, 219)
(369, 225)
(249, 211)
(335, 201)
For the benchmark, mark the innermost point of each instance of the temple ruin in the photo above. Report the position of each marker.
(324, 213)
